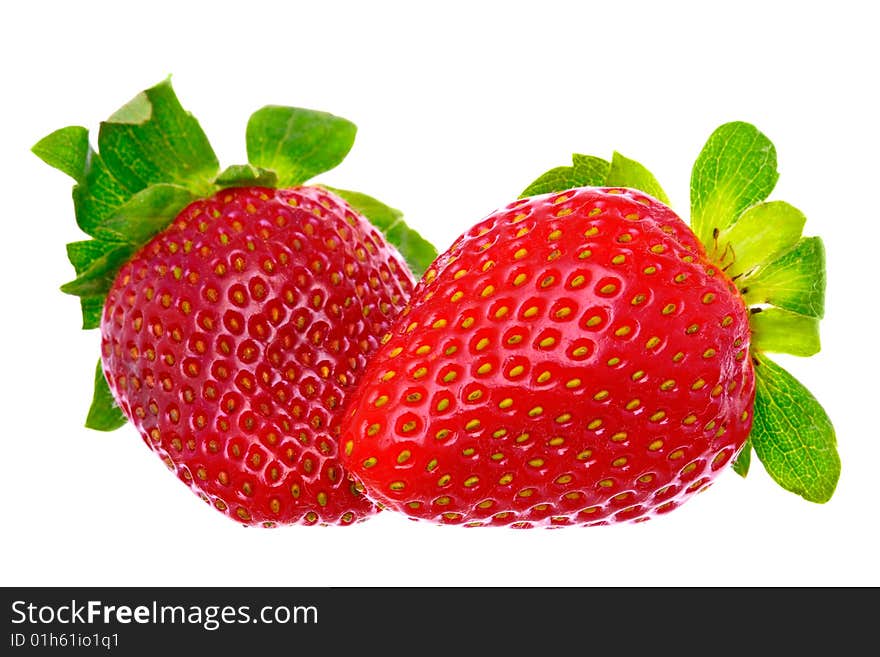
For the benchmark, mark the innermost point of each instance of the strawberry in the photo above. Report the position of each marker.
(577, 358)
(232, 337)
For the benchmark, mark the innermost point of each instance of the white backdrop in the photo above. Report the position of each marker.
(459, 106)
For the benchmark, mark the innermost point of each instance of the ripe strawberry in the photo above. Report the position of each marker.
(232, 339)
(572, 359)
(576, 358)
(237, 310)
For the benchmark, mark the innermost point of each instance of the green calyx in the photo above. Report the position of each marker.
(780, 275)
(153, 159)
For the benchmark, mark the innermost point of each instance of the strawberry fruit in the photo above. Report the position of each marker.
(579, 358)
(237, 309)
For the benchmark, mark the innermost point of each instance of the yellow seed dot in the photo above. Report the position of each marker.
(420, 373)
(373, 429)
(638, 375)
(619, 437)
(577, 281)
(500, 433)
(618, 259)
(444, 480)
(467, 322)
(606, 483)
(656, 417)
(594, 321)
(652, 342)
(472, 424)
(633, 404)
(564, 479)
(562, 419)
(485, 504)
(485, 368)
(442, 434)
(677, 454)
(619, 462)
(487, 291)
(381, 401)
(623, 331)
(698, 384)
(370, 462)
(650, 270)
(654, 446)
(556, 442)
(505, 403)
(520, 254)
(573, 383)
(390, 374)
(543, 377)
(638, 300)
(594, 424)
(519, 279)
(547, 342)
(442, 405)
(668, 384)
(708, 298)
(531, 311)
(516, 371)
(585, 455)
(475, 395)
(609, 288)
(520, 439)
(506, 479)
(709, 353)
(404, 456)
(601, 395)
(440, 323)
(482, 344)
(536, 411)
(397, 485)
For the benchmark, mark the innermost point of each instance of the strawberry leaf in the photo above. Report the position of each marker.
(67, 150)
(743, 460)
(146, 213)
(735, 169)
(629, 173)
(152, 139)
(586, 171)
(297, 143)
(99, 276)
(245, 175)
(104, 414)
(780, 331)
(416, 250)
(792, 435)
(795, 281)
(759, 235)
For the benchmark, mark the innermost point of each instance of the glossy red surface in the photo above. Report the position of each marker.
(573, 359)
(233, 339)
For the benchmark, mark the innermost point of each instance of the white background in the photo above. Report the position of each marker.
(459, 106)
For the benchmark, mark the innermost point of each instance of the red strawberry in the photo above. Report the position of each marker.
(577, 358)
(237, 309)
(572, 359)
(232, 339)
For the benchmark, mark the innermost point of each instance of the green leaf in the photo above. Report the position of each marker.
(736, 169)
(152, 139)
(104, 414)
(98, 196)
(98, 278)
(780, 331)
(146, 213)
(67, 150)
(81, 256)
(297, 143)
(795, 281)
(759, 235)
(590, 170)
(416, 250)
(792, 435)
(743, 460)
(587, 171)
(245, 175)
(629, 173)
